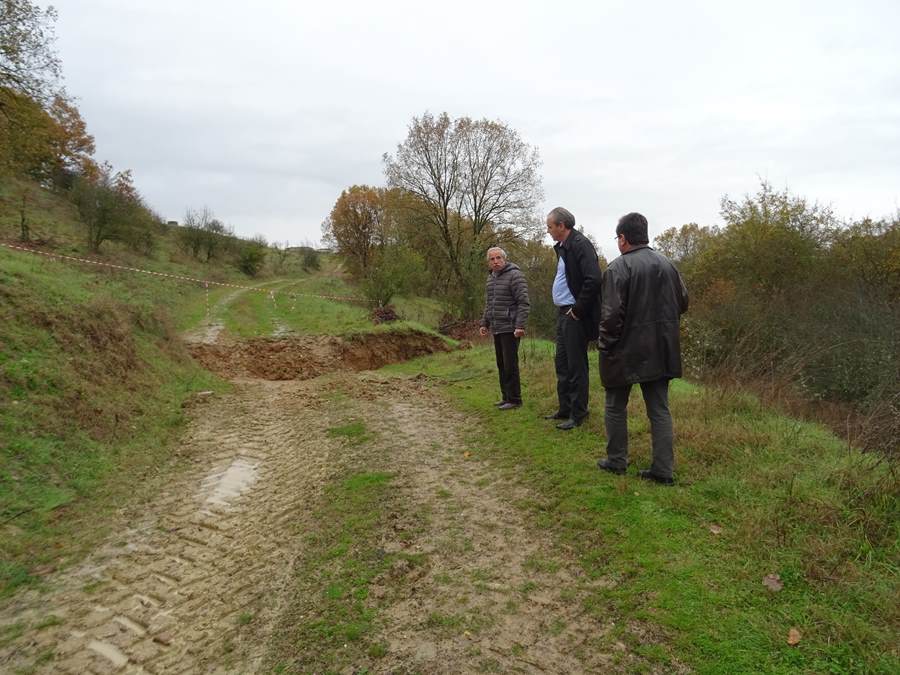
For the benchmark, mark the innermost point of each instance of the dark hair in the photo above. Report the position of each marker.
(634, 227)
(561, 215)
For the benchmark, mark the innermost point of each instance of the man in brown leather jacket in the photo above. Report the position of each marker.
(643, 299)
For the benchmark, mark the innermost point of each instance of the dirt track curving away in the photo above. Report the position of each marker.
(175, 589)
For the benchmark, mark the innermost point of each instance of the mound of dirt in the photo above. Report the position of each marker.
(459, 329)
(302, 358)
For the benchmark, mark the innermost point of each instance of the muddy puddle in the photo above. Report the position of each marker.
(223, 487)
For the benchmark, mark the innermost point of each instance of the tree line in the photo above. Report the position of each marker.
(787, 293)
(783, 291)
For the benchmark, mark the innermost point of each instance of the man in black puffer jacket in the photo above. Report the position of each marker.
(644, 297)
(506, 309)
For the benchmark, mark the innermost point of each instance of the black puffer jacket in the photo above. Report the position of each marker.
(583, 278)
(644, 297)
(506, 303)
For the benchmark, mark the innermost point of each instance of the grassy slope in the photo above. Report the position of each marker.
(91, 381)
(91, 385)
(788, 496)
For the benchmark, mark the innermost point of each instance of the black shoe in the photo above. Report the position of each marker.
(647, 474)
(509, 405)
(569, 424)
(556, 416)
(612, 468)
(499, 403)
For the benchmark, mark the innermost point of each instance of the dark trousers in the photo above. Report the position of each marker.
(656, 398)
(506, 347)
(571, 366)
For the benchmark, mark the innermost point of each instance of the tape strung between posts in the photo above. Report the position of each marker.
(206, 282)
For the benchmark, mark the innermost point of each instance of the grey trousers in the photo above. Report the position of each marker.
(656, 398)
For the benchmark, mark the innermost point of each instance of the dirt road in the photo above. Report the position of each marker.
(201, 580)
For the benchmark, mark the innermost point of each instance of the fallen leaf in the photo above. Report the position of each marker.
(794, 636)
(772, 582)
(715, 529)
(467, 454)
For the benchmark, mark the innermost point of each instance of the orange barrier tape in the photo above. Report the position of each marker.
(195, 280)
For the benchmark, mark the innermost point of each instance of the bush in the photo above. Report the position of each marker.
(784, 296)
(395, 270)
(251, 256)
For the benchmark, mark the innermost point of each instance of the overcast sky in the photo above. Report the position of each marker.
(264, 112)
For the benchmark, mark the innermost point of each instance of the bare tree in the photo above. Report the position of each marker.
(478, 183)
(279, 253)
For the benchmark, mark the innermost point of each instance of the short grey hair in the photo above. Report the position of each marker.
(561, 215)
(496, 248)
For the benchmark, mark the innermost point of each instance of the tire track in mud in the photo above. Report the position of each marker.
(493, 593)
(200, 581)
(188, 587)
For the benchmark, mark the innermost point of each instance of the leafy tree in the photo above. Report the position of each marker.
(311, 260)
(772, 240)
(27, 135)
(28, 60)
(869, 251)
(50, 146)
(356, 226)
(252, 255)
(681, 244)
(73, 146)
(476, 182)
(109, 206)
(396, 271)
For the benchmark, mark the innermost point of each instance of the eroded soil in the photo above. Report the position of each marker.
(201, 578)
(304, 357)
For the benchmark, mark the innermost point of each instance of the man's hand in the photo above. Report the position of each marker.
(482, 331)
(519, 332)
(571, 313)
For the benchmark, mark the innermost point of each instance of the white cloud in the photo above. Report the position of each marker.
(265, 113)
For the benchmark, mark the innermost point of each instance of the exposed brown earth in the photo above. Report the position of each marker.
(203, 577)
(300, 358)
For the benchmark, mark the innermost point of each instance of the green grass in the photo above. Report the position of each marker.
(789, 497)
(91, 384)
(330, 621)
(355, 433)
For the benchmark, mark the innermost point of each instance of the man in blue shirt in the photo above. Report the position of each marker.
(576, 294)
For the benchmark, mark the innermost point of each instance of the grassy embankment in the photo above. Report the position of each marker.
(758, 494)
(92, 378)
